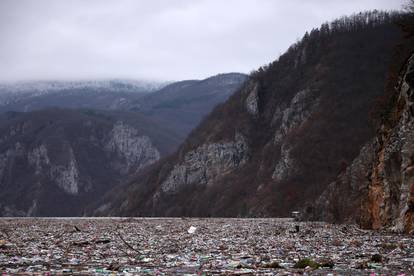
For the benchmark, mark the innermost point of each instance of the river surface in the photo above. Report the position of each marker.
(197, 246)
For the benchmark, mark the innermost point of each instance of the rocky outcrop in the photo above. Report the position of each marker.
(298, 111)
(252, 100)
(377, 189)
(72, 157)
(38, 158)
(391, 190)
(287, 118)
(342, 199)
(133, 152)
(205, 164)
(67, 176)
(137, 150)
(286, 165)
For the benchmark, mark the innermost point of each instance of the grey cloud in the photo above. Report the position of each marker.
(157, 39)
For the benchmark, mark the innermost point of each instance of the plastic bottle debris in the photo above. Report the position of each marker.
(191, 230)
(169, 246)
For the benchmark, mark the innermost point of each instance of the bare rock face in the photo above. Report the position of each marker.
(252, 100)
(67, 176)
(341, 200)
(286, 165)
(137, 150)
(205, 164)
(56, 162)
(290, 117)
(8, 156)
(38, 158)
(64, 173)
(133, 153)
(390, 193)
(299, 110)
(377, 189)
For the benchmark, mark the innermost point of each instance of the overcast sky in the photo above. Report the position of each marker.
(155, 39)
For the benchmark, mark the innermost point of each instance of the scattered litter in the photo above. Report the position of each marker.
(191, 230)
(163, 246)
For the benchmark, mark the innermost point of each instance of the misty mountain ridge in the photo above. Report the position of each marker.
(77, 143)
(101, 94)
(124, 85)
(180, 105)
(20, 96)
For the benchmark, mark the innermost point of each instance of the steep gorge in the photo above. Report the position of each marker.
(377, 190)
(282, 138)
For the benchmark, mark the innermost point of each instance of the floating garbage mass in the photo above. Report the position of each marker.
(165, 246)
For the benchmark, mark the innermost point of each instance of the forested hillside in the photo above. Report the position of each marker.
(283, 137)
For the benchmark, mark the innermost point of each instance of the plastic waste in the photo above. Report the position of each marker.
(191, 230)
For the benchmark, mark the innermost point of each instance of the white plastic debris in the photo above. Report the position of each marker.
(171, 246)
(191, 230)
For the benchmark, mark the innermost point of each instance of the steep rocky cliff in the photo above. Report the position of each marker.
(55, 162)
(206, 163)
(377, 189)
(391, 190)
(282, 138)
